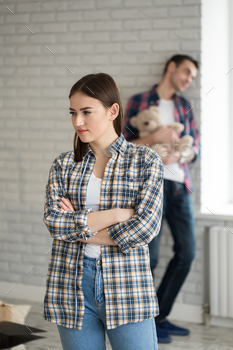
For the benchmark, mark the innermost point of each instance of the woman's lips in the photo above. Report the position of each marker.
(82, 132)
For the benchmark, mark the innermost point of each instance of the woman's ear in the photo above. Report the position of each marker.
(114, 109)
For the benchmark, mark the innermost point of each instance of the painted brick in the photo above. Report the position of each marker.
(42, 17)
(167, 23)
(191, 45)
(167, 2)
(125, 36)
(28, 7)
(166, 46)
(96, 15)
(15, 39)
(138, 3)
(54, 6)
(125, 14)
(184, 34)
(150, 35)
(67, 60)
(108, 47)
(81, 48)
(108, 4)
(8, 29)
(137, 24)
(17, 18)
(82, 5)
(123, 58)
(42, 39)
(154, 12)
(71, 37)
(137, 47)
(28, 49)
(41, 60)
(191, 22)
(96, 36)
(184, 11)
(8, 50)
(69, 16)
(54, 27)
(108, 25)
(82, 26)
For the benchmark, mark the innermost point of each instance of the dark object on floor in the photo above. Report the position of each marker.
(12, 334)
(172, 329)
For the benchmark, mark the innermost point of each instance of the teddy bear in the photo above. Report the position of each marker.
(148, 120)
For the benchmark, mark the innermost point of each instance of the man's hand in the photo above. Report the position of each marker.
(164, 134)
(171, 158)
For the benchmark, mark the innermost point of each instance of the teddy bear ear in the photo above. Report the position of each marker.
(133, 121)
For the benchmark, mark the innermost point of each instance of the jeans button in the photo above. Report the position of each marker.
(99, 262)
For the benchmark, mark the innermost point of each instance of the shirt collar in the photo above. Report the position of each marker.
(118, 146)
(154, 94)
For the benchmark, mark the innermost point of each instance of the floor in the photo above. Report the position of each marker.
(201, 337)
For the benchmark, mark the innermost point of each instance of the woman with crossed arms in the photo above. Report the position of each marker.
(103, 206)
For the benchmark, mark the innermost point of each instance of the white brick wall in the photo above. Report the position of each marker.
(128, 39)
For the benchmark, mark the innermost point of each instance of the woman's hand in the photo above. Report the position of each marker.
(125, 214)
(65, 204)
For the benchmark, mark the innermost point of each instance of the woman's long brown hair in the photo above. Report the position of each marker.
(102, 87)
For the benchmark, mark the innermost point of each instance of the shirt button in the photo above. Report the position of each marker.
(131, 180)
(150, 212)
(88, 168)
(82, 184)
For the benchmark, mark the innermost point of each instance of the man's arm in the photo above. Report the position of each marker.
(163, 134)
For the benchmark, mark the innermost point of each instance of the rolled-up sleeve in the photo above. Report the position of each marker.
(145, 224)
(63, 225)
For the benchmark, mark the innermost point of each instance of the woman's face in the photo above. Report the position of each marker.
(88, 113)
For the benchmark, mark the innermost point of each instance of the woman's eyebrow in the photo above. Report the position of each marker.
(81, 109)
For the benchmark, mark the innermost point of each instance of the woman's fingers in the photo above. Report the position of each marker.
(63, 206)
(66, 204)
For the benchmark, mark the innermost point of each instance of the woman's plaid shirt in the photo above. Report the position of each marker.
(133, 178)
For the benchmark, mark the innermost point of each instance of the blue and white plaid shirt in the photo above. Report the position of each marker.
(133, 178)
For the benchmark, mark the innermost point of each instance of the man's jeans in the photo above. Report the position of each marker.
(177, 209)
(135, 336)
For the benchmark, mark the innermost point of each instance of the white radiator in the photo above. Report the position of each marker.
(221, 271)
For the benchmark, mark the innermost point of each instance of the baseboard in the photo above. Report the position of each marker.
(221, 322)
(187, 313)
(21, 292)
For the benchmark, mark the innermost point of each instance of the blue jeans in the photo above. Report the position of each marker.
(177, 209)
(135, 336)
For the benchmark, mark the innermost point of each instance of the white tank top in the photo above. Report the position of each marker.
(171, 171)
(93, 200)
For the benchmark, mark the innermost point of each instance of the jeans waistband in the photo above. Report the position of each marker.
(92, 261)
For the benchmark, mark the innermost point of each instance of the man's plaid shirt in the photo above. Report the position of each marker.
(133, 178)
(183, 114)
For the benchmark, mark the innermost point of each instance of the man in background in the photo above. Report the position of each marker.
(178, 74)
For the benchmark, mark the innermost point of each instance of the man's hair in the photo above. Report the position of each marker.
(178, 59)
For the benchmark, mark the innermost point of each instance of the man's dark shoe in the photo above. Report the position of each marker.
(162, 335)
(172, 329)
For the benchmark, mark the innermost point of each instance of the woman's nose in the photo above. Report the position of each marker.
(79, 120)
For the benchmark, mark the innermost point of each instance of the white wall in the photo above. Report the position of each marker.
(129, 40)
(216, 182)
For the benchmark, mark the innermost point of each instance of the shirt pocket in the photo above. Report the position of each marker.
(129, 191)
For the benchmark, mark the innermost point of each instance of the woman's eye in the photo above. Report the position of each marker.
(72, 113)
(86, 112)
